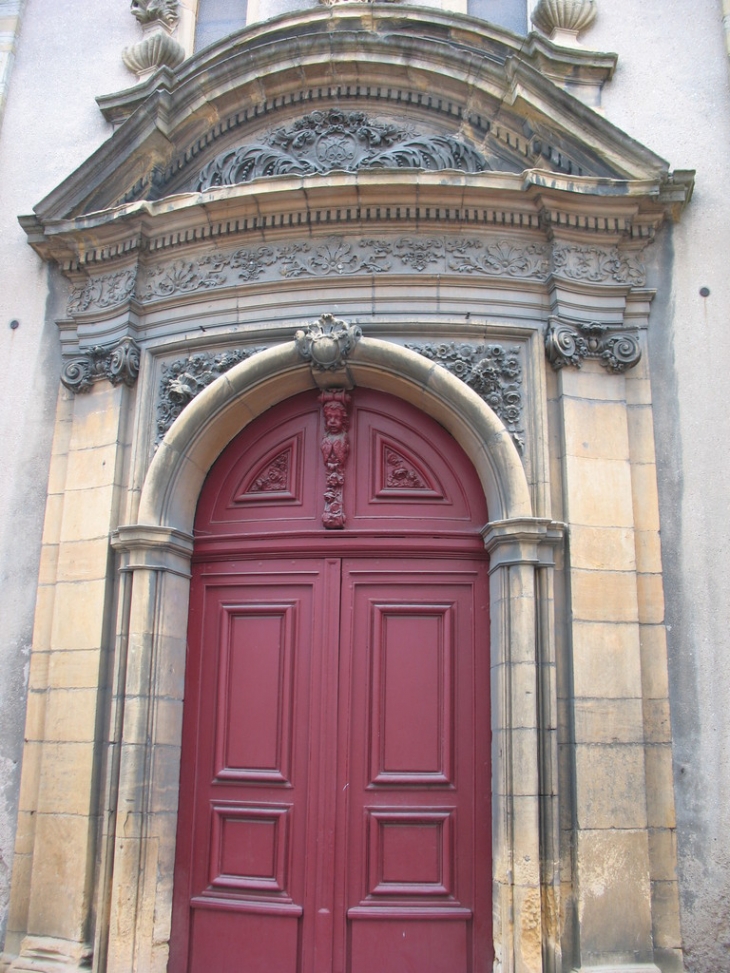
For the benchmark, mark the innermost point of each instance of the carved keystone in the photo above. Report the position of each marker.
(615, 348)
(326, 344)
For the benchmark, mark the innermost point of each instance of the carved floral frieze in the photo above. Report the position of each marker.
(341, 257)
(117, 363)
(616, 348)
(185, 378)
(493, 371)
(323, 141)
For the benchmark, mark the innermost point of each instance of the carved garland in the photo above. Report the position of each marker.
(493, 371)
(337, 257)
(615, 348)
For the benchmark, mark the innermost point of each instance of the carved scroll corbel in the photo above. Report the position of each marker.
(615, 348)
(335, 448)
(326, 345)
(118, 364)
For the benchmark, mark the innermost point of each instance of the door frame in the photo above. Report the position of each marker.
(154, 557)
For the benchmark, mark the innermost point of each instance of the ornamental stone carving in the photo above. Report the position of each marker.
(493, 371)
(158, 19)
(103, 292)
(185, 378)
(616, 348)
(118, 364)
(598, 265)
(327, 140)
(563, 20)
(327, 343)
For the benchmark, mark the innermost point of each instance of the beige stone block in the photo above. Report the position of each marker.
(96, 418)
(47, 565)
(566, 753)
(165, 778)
(35, 716)
(614, 896)
(604, 596)
(641, 433)
(43, 618)
(654, 661)
(78, 620)
(74, 669)
(66, 777)
(669, 960)
(526, 836)
(25, 833)
(598, 492)
(638, 388)
(84, 560)
(19, 902)
(650, 589)
(59, 895)
(71, 715)
(30, 776)
(528, 932)
(660, 786)
(173, 618)
(646, 498)
(663, 854)
(57, 471)
(648, 551)
(38, 674)
(609, 785)
(514, 695)
(657, 723)
(89, 468)
(515, 759)
(592, 382)
(665, 915)
(595, 429)
(87, 513)
(53, 518)
(602, 548)
(606, 660)
(608, 721)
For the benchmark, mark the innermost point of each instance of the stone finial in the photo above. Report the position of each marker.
(563, 20)
(158, 19)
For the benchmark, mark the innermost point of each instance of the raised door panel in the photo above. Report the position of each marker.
(414, 810)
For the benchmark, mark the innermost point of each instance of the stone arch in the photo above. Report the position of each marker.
(198, 436)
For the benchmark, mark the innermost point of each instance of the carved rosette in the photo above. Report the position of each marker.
(327, 343)
(118, 364)
(335, 448)
(563, 20)
(158, 19)
(571, 344)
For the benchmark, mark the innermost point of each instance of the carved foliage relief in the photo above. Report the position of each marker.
(616, 348)
(493, 371)
(335, 448)
(326, 140)
(118, 364)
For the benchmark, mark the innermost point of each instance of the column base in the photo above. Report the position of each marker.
(41, 954)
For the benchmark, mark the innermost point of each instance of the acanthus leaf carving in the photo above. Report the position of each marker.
(185, 378)
(327, 342)
(103, 292)
(335, 448)
(492, 370)
(598, 265)
(323, 141)
(616, 348)
(500, 259)
(334, 257)
(117, 363)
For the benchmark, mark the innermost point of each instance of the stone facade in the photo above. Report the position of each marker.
(453, 207)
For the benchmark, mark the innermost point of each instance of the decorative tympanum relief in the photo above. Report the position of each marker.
(399, 473)
(493, 371)
(184, 378)
(327, 342)
(340, 257)
(274, 477)
(118, 364)
(616, 348)
(335, 448)
(326, 140)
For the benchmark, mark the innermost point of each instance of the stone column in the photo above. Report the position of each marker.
(51, 910)
(611, 875)
(142, 783)
(523, 742)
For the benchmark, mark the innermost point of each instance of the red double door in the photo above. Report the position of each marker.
(334, 804)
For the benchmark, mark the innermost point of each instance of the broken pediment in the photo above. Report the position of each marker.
(363, 99)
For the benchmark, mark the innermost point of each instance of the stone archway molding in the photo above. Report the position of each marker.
(138, 854)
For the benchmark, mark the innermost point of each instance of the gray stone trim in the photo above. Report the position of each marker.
(487, 256)
(523, 540)
(117, 363)
(616, 348)
(153, 548)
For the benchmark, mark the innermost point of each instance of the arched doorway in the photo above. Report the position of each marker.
(335, 793)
